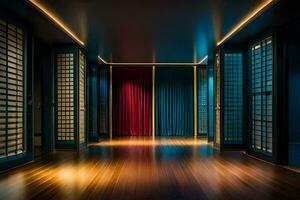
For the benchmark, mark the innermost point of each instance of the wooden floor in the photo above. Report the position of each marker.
(132, 168)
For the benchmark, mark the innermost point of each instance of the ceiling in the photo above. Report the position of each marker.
(150, 30)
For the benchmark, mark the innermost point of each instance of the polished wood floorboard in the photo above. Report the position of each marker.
(142, 168)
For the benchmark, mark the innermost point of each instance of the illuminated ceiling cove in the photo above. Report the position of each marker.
(151, 31)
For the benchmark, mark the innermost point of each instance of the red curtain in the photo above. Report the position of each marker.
(132, 101)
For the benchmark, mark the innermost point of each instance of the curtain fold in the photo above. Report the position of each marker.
(132, 101)
(174, 101)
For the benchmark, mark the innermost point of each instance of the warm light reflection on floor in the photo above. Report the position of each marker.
(149, 141)
(142, 168)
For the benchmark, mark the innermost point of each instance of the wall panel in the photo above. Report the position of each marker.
(292, 53)
(93, 102)
(210, 74)
(202, 99)
(103, 101)
(217, 127)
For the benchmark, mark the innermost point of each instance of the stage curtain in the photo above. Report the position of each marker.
(174, 101)
(132, 101)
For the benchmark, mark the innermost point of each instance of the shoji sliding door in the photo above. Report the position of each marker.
(12, 101)
(233, 99)
(16, 116)
(261, 125)
(174, 102)
(66, 125)
(229, 99)
(202, 93)
(70, 97)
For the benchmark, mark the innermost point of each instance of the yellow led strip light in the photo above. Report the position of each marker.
(153, 63)
(246, 20)
(58, 22)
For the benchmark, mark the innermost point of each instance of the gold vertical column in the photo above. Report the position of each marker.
(195, 102)
(110, 102)
(153, 102)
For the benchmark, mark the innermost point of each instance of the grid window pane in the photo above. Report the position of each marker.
(233, 98)
(11, 90)
(65, 96)
(202, 102)
(82, 65)
(262, 73)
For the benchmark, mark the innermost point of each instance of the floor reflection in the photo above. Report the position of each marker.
(142, 168)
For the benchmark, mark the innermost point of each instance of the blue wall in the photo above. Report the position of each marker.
(293, 49)
(103, 101)
(93, 102)
(98, 101)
